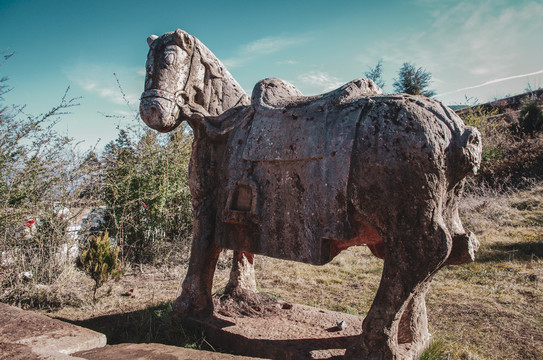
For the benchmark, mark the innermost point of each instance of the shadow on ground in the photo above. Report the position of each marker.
(520, 251)
(154, 324)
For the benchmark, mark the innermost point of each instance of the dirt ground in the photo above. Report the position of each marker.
(478, 311)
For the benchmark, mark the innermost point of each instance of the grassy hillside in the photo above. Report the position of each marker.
(512, 140)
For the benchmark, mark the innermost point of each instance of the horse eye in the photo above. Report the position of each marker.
(169, 58)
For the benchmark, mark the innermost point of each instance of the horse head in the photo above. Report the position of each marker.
(185, 81)
(164, 103)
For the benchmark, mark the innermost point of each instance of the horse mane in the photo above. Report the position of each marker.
(211, 85)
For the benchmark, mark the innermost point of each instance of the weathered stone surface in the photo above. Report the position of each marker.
(17, 352)
(303, 178)
(153, 351)
(23, 333)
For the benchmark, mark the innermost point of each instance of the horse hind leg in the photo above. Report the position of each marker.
(242, 275)
(196, 299)
(396, 325)
(413, 326)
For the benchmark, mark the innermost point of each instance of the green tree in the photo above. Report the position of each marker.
(376, 74)
(413, 81)
(147, 195)
(529, 87)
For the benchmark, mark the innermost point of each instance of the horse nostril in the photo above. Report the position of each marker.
(153, 112)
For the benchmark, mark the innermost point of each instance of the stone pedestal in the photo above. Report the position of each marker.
(280, 330)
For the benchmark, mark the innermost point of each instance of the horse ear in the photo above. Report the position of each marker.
(182, 39)
(150, 39)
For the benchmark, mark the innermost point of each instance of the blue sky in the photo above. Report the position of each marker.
(475, 49)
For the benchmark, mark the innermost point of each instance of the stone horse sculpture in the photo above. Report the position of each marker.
(303, 178)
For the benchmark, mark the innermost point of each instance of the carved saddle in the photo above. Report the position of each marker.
(289, 171)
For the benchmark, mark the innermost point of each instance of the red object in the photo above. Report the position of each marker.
(145, 206)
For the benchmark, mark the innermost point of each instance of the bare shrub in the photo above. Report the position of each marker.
(493, 130)
(511, 159)
(139, 184)
(42, 176)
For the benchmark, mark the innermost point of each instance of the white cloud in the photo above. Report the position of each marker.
(270, 45)
(287, 62)
(491, 82)
(264, 46)
(468, 42)
(231, 63)
(320, 81)
(489, 35)
(99, 80)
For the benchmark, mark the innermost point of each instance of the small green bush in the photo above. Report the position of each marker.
(100, 261)
(413, 80)
(531, 117)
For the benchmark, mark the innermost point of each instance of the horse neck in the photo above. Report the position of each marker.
(215, 88)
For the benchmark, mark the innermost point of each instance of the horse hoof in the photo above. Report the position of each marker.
(184, 307)
(180, 308)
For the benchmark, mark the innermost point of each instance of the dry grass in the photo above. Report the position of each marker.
(347, 284)
(487, 310)
(62, 292)
(491, 309)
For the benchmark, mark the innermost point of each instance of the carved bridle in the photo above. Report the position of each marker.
(176, 96)
(164, 94)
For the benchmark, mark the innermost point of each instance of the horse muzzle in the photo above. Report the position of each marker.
(158, 111)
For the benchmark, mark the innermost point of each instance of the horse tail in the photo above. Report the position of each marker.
(472, 148)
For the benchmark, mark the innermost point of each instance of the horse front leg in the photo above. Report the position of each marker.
(396, 325)
(195, 298)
